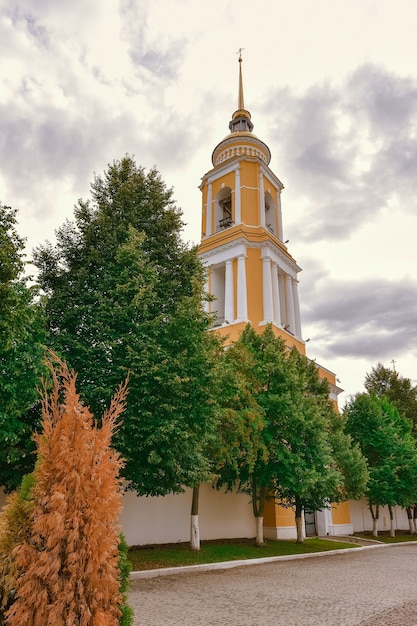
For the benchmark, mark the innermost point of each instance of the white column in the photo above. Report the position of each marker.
(229, 294)
(275, 294)
(281, 285)
(267, 289)
(296, 309)
(261, 199)
(238, 216)
(209, 210)
(280, 231)
(242, 296)
(290, 305)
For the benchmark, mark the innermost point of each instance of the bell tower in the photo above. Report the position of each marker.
(251, 273)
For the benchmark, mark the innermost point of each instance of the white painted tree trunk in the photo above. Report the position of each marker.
(391, 521)
(374, 528)
(195, 533)
(259, 530)
(299, 527)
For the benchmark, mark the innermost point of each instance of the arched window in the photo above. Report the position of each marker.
(224, 211)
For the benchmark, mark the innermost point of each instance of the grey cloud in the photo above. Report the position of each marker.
(53, 145)
(350, 148)
(369, 319)
(160, 61)
(163, 64)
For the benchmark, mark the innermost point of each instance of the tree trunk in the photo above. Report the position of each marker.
(410, 520)
(259, 530)
(415, 520)
(299, 522)
(391, 519)
(195, 529)
(375, 518)
(258, 503)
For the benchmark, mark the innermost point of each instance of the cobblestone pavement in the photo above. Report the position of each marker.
(369, 587)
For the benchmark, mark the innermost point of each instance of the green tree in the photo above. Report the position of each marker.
(300, 465)
(307, 475)
(239, 433)
(386, 442)
(349, 459)
(239, 445)
(124, 294)
(21, 354)
(397, 389)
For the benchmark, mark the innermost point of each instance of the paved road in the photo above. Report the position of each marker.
(371, 587)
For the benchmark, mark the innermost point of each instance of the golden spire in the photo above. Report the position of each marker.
(242, 116)
(240, 102)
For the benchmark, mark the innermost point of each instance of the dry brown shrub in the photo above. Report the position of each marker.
(70, 560)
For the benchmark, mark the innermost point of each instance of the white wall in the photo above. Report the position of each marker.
(362, 520)
(167, 519)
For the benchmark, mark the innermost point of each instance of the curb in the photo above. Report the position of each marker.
(222, 565)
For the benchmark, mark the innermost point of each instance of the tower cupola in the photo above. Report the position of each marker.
(241, 140)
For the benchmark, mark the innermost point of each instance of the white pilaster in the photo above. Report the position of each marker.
(281, 285)
(275, 294)
(238, 216)
(209, 210)
(242, 296)
(290, 305)
(261, 199)
(229, 293)
(296, 309)
(267, 290)
(279, 210)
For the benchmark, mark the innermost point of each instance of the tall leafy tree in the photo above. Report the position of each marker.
(239, 441)
(239, 446)
(386, 441)
(21, 353)
(124, 294)
(399, 390)
(306, 473)
(299, 462)
(402, 394)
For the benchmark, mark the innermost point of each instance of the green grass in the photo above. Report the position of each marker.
(400, 536)
(174, 555)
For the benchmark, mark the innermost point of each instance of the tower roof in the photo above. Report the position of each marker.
(240, 127)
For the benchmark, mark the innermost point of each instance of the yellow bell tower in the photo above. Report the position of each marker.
(251, 274)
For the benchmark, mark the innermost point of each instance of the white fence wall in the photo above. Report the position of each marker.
(362, 520)
(167, 519)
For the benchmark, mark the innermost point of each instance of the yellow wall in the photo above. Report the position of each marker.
(341, 513)
(249, 173)
(254, 285)
(276, 515)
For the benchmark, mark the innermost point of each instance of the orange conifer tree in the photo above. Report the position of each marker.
(69, 563)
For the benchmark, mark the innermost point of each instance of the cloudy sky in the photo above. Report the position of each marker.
(332, 89)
